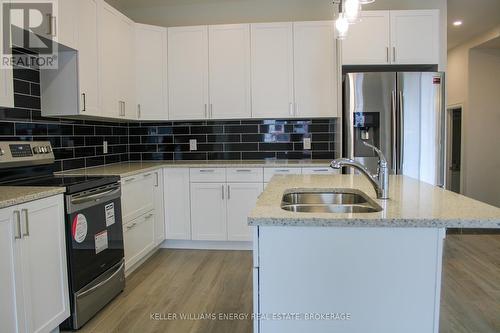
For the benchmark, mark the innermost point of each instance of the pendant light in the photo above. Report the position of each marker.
(342, 26)
(351, 10)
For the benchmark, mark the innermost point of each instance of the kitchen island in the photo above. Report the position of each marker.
(355, 272)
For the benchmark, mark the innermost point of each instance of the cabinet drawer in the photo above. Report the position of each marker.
(207, 175)
(138, 238)
(137, 195)
(319, 171)
(249, 175)
(270, 172)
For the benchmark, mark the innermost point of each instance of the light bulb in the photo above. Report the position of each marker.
(342, 25)
(351, 10)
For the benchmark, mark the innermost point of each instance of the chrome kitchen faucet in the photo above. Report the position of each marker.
(380, 181)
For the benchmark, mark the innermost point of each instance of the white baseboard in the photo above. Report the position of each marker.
(206, 245)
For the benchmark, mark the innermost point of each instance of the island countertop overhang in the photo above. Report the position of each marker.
(412, 204)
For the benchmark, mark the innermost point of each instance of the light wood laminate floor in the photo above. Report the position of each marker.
(197, 282)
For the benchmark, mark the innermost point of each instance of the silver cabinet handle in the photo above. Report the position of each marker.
(295, 109)
(120, 108)
(132, 226)
(401, 132)
(84, 102)
(320, 170)
(282, 170)
(207, 170)
(54, 28)
(206, 114)
(147, 217)
(124, 108)
(26, 232)
(147, 175)
(222, 186)
(243, 170)
(290, 111)
(49, 28)
(129, 180)
(228, 192)
(139, 111)
(211, 111)
(157, 181)
(394, 53)
(17, 225)
(387, 54)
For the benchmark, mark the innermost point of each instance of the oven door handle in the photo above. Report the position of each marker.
(100, 284)
(95, 197)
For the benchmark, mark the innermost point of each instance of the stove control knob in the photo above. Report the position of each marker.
(36, 150)
(49, 149)
(2, 152)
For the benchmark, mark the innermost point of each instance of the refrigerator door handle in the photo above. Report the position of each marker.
(401, 133)
(393, 132)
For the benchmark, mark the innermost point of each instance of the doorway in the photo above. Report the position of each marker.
(454, 149)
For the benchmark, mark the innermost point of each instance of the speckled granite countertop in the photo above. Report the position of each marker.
(412, 204)
(126, 169)
(15, 195)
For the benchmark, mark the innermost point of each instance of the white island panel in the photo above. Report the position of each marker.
(387, 279)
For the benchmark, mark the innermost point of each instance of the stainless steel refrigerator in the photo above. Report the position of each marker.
(402, 114)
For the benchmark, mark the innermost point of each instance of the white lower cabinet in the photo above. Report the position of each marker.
(137, 195)
(241, 199)
(33, 268)
(138, 238)
(176, 203)
(208, 211)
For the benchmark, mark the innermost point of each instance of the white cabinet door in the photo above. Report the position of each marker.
(137, 195)
(159, 207)
(315, 69)
(109, 61)
(188, 72)
(138, 238)
(368, 41)
(127, 67)
(208, 211)
(241, 199)
(272, 70)
(176, 202)
(415, 36)
(151, 72)
(66, 22)
(6, 80)
(229, 61)
(11, 302)
(88, 57)
(45, 280)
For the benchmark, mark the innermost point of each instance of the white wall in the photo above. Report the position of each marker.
(473, 80)
(482, 151)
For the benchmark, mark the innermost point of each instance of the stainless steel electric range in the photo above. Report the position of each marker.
(94, 236)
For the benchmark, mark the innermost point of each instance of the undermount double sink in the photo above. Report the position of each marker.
(328, 201)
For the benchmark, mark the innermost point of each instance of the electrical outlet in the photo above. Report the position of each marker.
(193, 144)
(307, 143)
(105, 147)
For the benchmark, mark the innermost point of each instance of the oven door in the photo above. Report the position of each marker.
(94, 230)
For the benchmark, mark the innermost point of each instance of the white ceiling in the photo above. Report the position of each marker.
(478, 17)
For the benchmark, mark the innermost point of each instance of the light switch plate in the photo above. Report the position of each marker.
(193, 144)
(307, 143)
(105, 147)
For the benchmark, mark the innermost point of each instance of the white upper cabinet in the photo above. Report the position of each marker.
(229, 68)
(188, 72)
(272, 70)
(66, 22)
(393, 37)
(6, 80)
(116, 65)
(415, 36)
(368, 41)
(315, 69)
(151, 72)
(88, 57)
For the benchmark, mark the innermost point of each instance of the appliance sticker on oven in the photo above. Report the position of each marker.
(101, 241)
(110, 214)
(79, 228)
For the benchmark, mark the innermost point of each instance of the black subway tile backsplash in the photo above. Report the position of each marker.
(79, 143)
